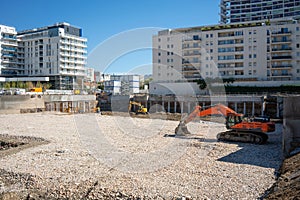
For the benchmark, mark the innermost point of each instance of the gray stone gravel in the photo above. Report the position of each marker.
(111, 157)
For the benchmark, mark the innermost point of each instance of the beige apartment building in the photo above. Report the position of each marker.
(249, 52)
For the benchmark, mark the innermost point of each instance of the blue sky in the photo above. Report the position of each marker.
(100, 20)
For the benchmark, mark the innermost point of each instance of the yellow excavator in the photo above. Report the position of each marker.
(141, 109)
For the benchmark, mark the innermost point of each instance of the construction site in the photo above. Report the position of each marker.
(120, 147)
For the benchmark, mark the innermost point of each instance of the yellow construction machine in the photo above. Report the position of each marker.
(141, 109)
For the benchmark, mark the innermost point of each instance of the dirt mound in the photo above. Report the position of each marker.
(288, 183)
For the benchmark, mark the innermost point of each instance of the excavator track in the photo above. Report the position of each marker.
(243, 136)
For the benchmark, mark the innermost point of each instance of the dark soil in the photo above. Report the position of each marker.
(288, 184)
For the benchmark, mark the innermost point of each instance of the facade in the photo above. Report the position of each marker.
(90, 74)
(237, 11)
(245, 52)
(10, 55)
(57, 51)
(123, 84)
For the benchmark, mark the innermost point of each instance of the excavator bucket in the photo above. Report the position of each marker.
(181, 130)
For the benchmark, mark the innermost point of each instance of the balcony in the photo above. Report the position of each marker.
(282, 33)
(9, 38)
(282, 75)
(282, 66)
(282, 49)
(9, 49)
(189, 69)
(282, 41)
(281, 57)
(192, 54)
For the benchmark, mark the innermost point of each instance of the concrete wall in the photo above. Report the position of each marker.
(13, 104)
(291, 124)
(180, 89)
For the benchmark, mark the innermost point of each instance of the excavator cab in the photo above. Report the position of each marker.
(232, 120)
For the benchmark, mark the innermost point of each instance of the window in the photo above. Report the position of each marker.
(297, 45)
(207, 36)
(172, 45)
(158, 60)
(159, 39)
(211, 50)
(159, 53)
(168, 39)
(195, 37)
(250, 56)
(168, 46)
(211, 35)
(254, 55)
(298, 71)
(297, 28)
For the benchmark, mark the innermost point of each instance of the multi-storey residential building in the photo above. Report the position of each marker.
(58, 52)
(245, 52)
(236, 11)
(90, 74)
(9, 62)
(122, 84)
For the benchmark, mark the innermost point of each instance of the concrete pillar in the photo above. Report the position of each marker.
(163, 104)
(235, 107)
(253, 108)
(181, 107)
(277, 110)
(175, 107)
(168, 106)
(263, 107)
(203, 105)
(189, 107)
(244, 108)
(83, 107)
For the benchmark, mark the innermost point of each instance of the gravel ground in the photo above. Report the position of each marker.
(112, 157)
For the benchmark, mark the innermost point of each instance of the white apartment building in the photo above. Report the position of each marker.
(255, 52)
(9, 62)
(237, 11)
(90, 74)
(57, 51)
(123, 84)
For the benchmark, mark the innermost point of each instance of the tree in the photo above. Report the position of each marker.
(146, 82)
(7, 85)
(202, 84)
(100, 86)
(47, 86)
(20, 84)
(13, 84)
(28, 85)
(39, 84)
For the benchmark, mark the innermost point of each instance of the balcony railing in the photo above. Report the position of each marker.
(281, 41)
(281, 57)
(282, 49)
(281, 32)
(281, 66)
(191, 54)
(278, 75)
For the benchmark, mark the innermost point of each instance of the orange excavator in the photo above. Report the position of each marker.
(239, 129)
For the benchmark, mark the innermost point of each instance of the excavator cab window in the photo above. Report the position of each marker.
(232, 120)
